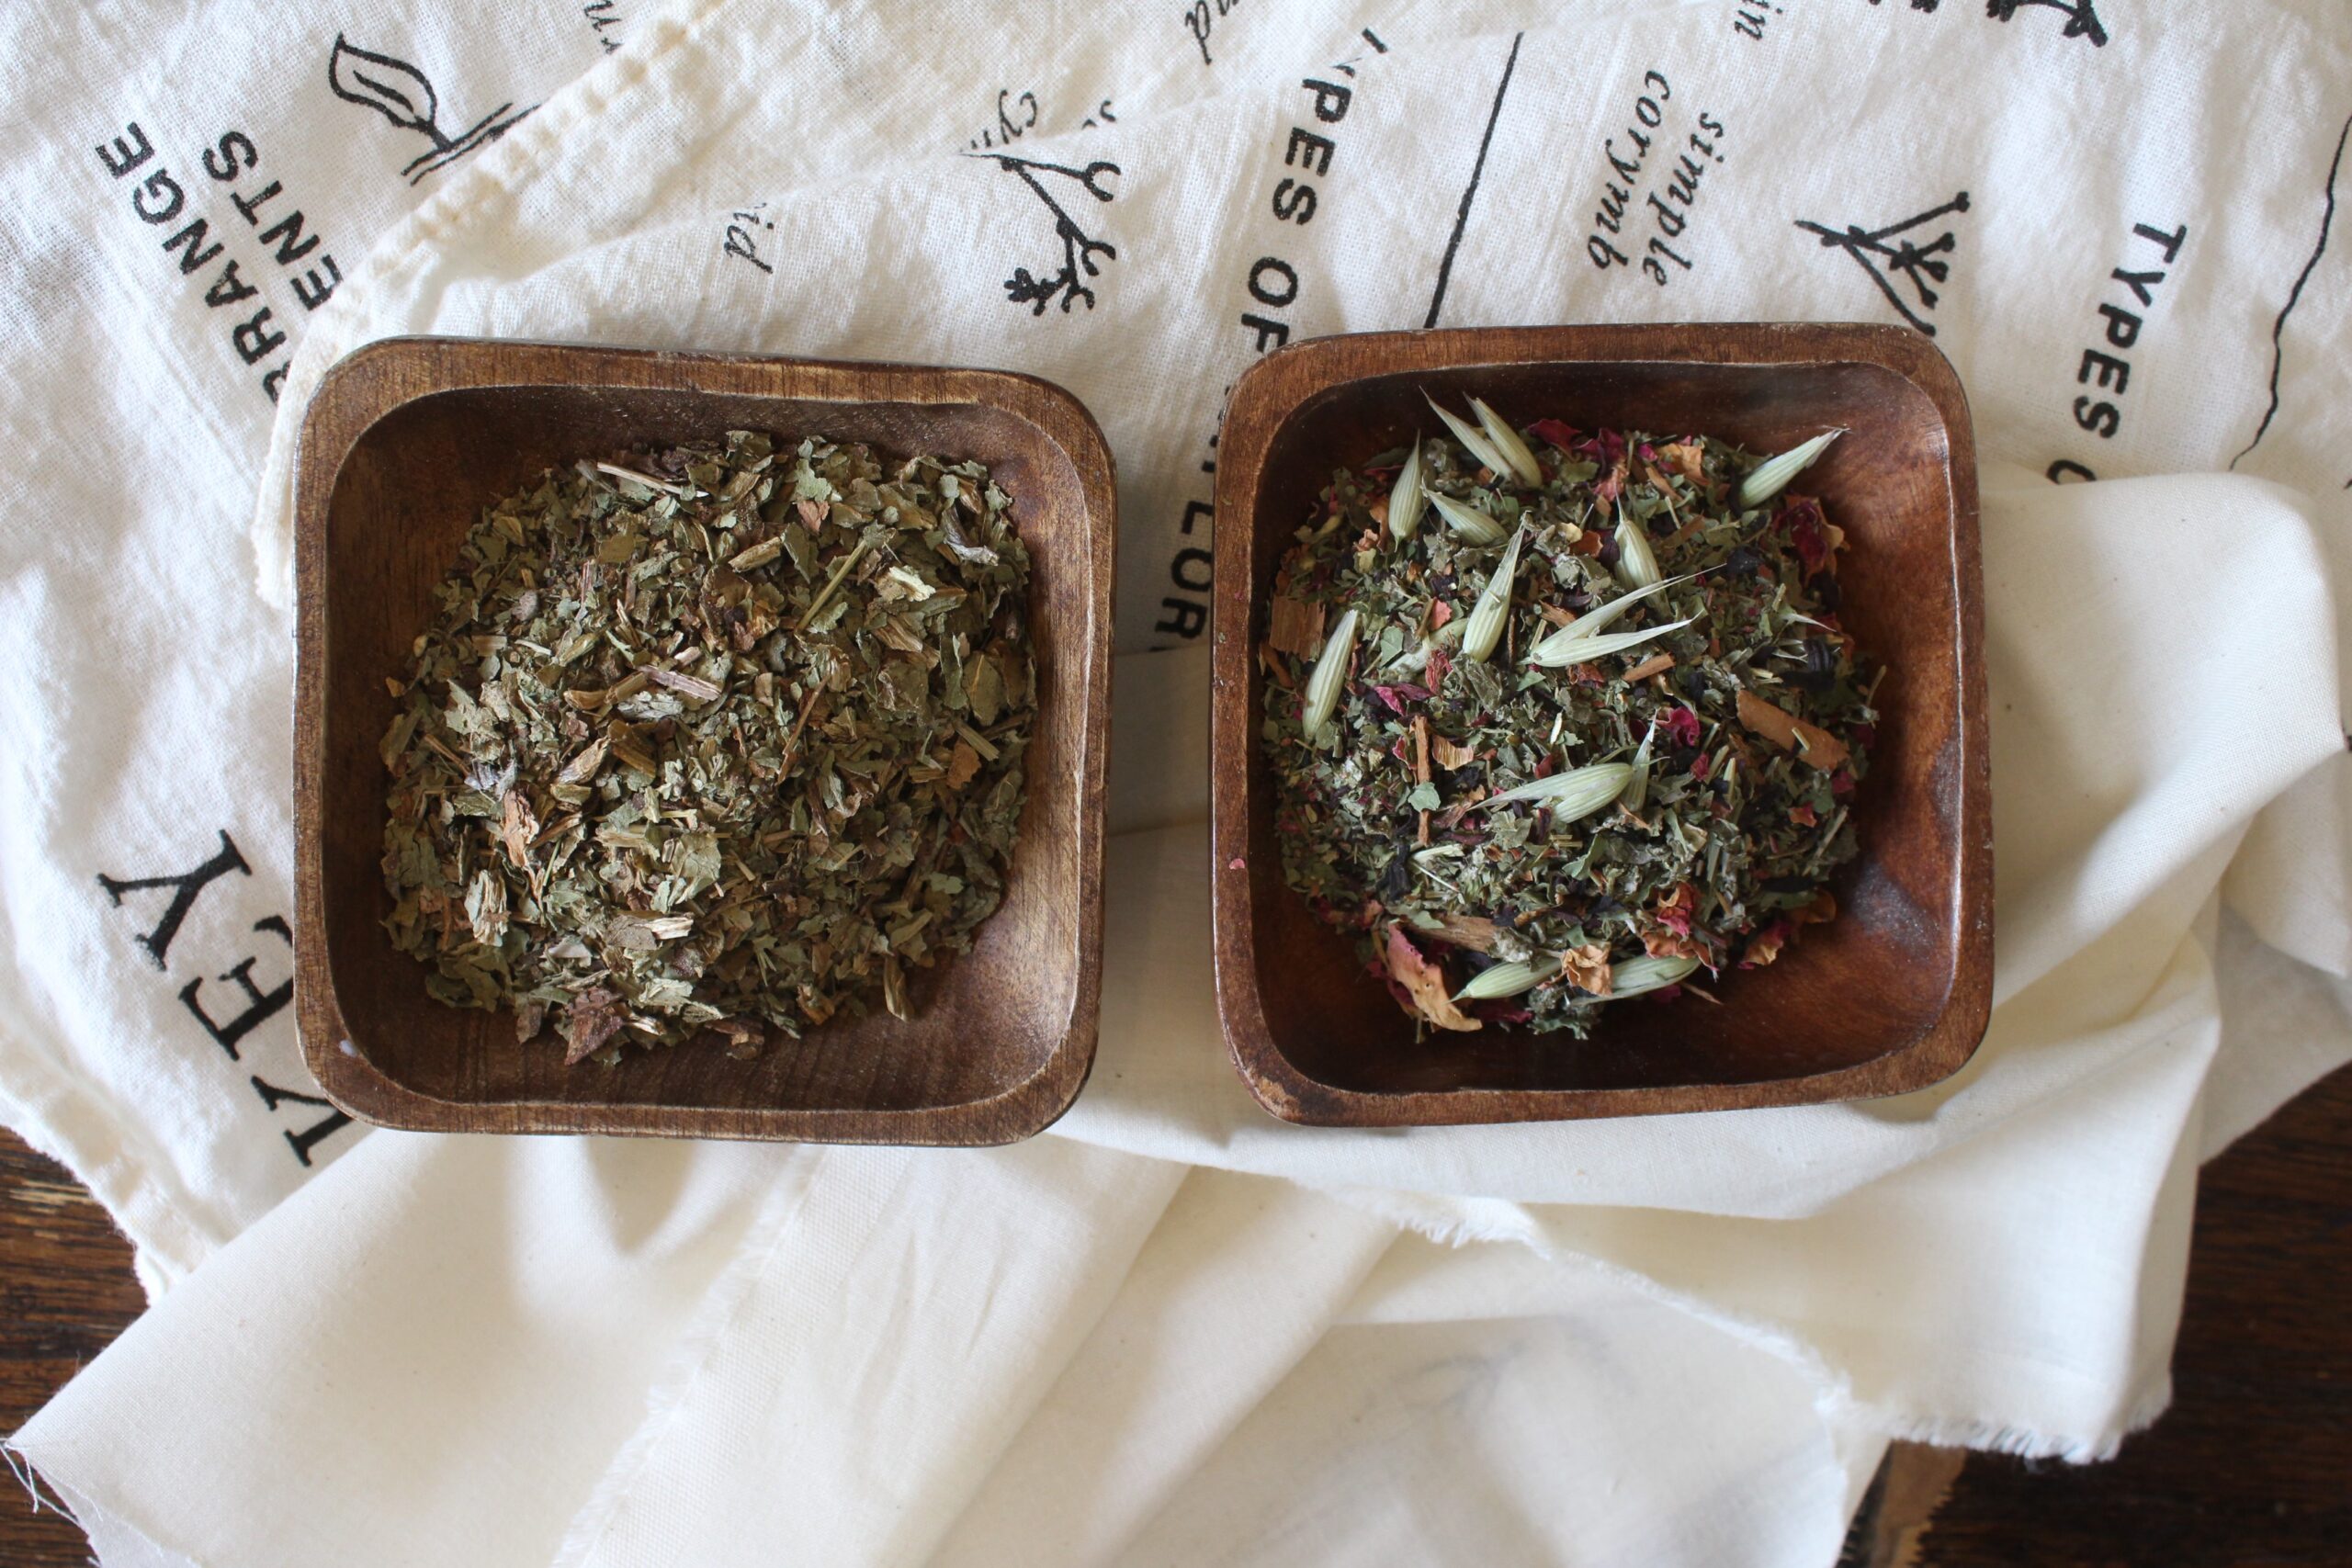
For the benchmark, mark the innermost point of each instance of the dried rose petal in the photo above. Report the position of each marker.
(1589, 967)
(1766, 944)
(1687, 458)
(1424, 983)
(1676, 911)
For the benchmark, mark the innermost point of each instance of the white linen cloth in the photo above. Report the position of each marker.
(146, 735)
(1174, 1330)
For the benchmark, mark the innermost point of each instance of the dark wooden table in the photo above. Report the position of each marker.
(2252, 1466)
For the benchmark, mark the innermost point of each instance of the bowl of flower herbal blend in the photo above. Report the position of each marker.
(1598, 724)
(738, 744)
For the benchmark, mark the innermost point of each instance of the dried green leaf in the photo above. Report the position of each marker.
(712, 740)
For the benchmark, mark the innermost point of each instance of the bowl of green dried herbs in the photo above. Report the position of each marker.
(1598, 724)
(739, 744)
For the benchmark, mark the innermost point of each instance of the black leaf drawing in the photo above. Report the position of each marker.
(1079, 248)
(404, 95)
(1917, 264)
(393, 88)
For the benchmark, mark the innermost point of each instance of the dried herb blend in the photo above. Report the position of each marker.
(1560, 718)
(713, 739)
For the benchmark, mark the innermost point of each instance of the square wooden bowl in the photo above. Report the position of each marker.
(405, 442)
(1894, 994)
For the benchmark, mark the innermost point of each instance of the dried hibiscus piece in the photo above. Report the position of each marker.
(1817, 540)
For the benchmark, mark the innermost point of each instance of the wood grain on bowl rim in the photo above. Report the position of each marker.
(993, 1062)
(1934, 908)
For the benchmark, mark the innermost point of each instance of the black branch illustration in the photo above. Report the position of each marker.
(1917, 263)
(2081, 21)
(1079, 248)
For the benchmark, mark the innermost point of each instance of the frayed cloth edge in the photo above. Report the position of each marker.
(1836, 1399)
(27, 1471)
(2000, 1437)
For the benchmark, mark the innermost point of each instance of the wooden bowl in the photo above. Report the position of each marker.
(1894, 994)
(405, 443)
